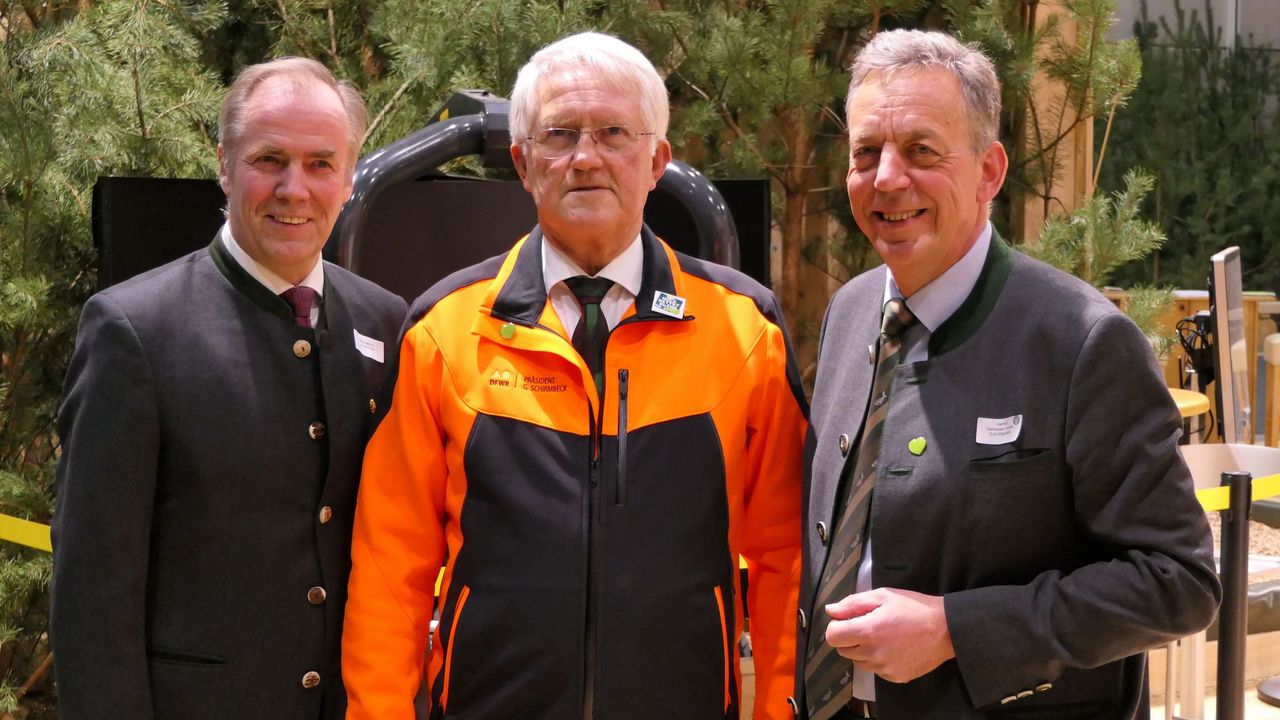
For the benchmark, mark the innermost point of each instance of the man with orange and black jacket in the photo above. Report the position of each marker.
(586, 434)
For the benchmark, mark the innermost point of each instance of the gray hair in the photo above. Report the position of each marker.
(904, 51)
(231, 116)
(604, 56)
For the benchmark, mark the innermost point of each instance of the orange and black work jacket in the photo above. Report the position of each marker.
(590, 544)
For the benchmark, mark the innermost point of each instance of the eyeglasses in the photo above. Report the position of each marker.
(557, 142)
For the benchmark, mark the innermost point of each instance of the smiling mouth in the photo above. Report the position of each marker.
(289, 219)
(898, 216)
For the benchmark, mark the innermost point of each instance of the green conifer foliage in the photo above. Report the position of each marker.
(116, 90)
(1204, 120)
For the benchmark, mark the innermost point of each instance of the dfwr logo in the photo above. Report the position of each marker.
(502, 378)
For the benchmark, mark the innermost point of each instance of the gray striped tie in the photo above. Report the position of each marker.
(826, 673)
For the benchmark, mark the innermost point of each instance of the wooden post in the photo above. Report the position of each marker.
(1271, 351)
(1073, 159)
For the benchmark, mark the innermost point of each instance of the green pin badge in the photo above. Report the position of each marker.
(508, 331)
(917, 446)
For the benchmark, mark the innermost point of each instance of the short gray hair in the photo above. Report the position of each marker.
(608, 58)
(231, 116)
(904, 51)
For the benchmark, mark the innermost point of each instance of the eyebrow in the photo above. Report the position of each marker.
(274, 150)
(928, 133)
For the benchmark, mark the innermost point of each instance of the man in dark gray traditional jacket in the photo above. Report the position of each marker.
(213, 424)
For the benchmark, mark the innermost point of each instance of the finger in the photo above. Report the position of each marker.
(857, 653)
(847, 633)
(855, 605)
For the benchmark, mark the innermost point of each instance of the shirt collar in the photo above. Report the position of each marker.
(626, 270)
(937, 301)
(260, 272)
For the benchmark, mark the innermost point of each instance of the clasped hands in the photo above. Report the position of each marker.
(897, 634)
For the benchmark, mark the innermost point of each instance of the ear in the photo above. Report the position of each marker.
(661, 156)
(521, 160)
(995, 163)
(224, 175)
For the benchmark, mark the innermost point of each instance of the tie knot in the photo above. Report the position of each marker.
(589, 290)
(897, 318)
(300, 298)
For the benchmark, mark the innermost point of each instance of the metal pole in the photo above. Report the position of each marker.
(1233, 616)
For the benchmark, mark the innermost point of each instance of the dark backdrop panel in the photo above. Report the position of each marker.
(417, 233)
(140, 223)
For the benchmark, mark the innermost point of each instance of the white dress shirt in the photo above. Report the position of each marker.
(932, 305)
(270, 280)
(625, 271)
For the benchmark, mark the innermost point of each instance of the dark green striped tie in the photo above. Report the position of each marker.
(592, 332)
(826, 673)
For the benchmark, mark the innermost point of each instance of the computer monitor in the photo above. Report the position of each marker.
(1226, 298)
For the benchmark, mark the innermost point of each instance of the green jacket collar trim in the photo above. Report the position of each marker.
(246, 285)
(966, 320)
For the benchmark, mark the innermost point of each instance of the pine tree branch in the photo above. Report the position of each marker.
(333, 34)
(722, 111)
(172, 108)
(1102, 151)
(368, 133)
(28, 168)
(137, 93)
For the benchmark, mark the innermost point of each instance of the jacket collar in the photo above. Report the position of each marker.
(255, 291)
(966, 320)
(522, 296)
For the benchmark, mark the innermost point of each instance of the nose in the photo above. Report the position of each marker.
(891, 173)
(586, 153)
(292, 182)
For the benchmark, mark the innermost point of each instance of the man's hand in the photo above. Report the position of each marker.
(896, 634)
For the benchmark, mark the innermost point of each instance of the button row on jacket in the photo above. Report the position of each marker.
(316, 595)
(1042, 687)
(804, 620)
(822, 532)
(311, 679)
(316, 430)
(326, 514)
(302, 348)
(844, 444)
(373, 406)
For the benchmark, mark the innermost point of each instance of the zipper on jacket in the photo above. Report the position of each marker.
(620, 496)
(724, 645)
(595, 531)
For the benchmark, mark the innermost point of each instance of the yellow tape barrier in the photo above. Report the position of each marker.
(25, 532)
(1219, 498)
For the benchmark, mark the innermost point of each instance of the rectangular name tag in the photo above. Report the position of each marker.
(368, 347)
(669, 305)
(998, 431)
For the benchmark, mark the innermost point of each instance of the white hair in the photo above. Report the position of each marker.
(607, 59)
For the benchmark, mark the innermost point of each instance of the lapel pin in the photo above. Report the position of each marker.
(917, 446)
(508, 331)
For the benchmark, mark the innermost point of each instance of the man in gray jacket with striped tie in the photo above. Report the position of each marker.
(998, 522)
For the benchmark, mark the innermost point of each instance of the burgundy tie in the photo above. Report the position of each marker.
(300, 298)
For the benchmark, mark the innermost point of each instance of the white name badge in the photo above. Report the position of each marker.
(669, 305)
(368, 347)
(998, 431)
